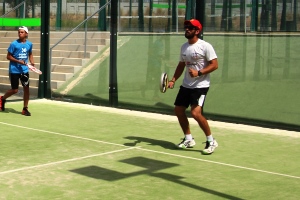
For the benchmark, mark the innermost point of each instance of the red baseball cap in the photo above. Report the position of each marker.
(194, 23)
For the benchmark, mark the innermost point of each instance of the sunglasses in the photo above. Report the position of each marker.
(190, 27)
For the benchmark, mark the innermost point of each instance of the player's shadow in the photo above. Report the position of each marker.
(154, 142)
(149, 167)
(11, 110)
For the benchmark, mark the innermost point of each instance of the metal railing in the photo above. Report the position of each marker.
(15, 8)
(74, 29)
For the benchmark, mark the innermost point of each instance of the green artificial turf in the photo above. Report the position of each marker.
(73, 151)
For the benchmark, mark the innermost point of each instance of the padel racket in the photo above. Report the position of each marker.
(164, 82)
(34, 69)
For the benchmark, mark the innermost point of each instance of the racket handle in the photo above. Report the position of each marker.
(172, 85)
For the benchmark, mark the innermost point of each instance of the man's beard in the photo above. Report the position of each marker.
(189, 36)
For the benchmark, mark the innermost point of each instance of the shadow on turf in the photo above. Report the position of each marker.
(151, 168)
(11, 110)
(154, 142)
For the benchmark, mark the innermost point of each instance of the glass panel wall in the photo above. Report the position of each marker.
(256, 42)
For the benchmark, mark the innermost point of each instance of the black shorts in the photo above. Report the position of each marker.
(187, 96)
(14, 80)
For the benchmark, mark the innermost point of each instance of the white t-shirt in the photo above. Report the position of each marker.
(197, 56)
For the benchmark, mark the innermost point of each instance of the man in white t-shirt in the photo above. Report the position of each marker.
(198, 59)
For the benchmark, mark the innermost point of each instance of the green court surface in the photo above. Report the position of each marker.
(74, 151)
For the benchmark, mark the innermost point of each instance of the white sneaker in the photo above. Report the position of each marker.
(186, 143)
(210, 147)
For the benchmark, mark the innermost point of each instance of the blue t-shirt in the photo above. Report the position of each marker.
(19, 51)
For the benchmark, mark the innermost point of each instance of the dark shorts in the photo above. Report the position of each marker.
(14, 80)
(187, 97)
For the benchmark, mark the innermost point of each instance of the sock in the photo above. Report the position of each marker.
(210, 138)
(188, 136)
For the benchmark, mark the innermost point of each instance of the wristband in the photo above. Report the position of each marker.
(199, 73)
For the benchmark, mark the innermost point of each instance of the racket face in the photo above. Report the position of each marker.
(164, 82)
(34, 69)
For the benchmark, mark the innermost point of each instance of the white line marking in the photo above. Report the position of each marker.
(99, 141)
(170, 118)
(61, 134)
(219, 163)
(64, 161)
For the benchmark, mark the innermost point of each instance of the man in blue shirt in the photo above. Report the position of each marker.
(19, 53)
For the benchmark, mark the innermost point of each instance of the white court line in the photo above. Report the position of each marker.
(219, 163)
(61, 134)
(170, 118)
(175, 155)
(64, 161)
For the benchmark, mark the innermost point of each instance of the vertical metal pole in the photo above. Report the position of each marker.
(274, 15)
(224, 20)
(268, 4)
(200, 15)
(85, 27)
(176, 7)
(58, 15)
(33, 8)
(295, 16)
(169, 18)
(44, 90)
(193, 9)
(21, 9)
(230, 15)
(141, 15)
(264, 19)
(242, 15)
(113, 81)
(99, 17)
(24, 9)
(119, 16)
(283, 16)
(130, 14)
(174, 15)
(245, 17)
(254, 15)
(102, 17)
(213, 13)
(188, 10)
(150, 15)
(17, 11)
(85, 9)
(3, 5)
